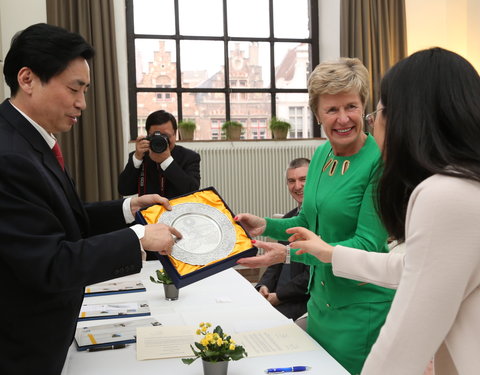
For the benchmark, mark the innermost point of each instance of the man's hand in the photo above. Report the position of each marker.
(254, 225)
(274, 253)
(273, 299)
(264, 291)
(137, 203)
(142, 146)
(159, 157)
(160, 238)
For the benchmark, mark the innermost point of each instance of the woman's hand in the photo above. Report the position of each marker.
(274, 253)
(254, 225)
(308, 242)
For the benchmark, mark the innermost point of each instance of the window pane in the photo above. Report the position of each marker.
(203, 58)
(149, 102)
(155, 63)
(208, 112)
(154, 17)
(249, 64)
(290, 19)
(292, 65)
(248, 18)
(293, 107)
(253, 110)
(203, 17)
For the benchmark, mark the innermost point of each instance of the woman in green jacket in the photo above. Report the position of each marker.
(344, 316)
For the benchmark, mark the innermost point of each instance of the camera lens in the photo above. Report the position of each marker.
(158, 142)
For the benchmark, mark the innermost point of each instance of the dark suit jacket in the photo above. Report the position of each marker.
(52, 246)
(291, 284)
(182, 175)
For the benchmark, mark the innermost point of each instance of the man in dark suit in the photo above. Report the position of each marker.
(285, 285)
(52, 244)
(172, 172)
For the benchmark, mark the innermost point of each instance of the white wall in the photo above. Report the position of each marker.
(121, 41)
(329, 30)
(450, 24)
(15, 15)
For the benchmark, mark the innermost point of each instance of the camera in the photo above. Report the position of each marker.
(158, 142)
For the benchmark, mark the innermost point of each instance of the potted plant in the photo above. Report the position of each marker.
(279, 128)
(233, 130)
(216, 349)
(187, 130)
(171, 291)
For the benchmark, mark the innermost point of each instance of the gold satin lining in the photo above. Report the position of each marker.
(152, 214)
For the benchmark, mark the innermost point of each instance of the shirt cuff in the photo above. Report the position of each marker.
(136, 163)
(166, 163)
(139, 230)
(127, 212)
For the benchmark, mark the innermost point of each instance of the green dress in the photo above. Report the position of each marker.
(344, 316)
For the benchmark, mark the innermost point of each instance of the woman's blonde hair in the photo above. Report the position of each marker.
(333, 77)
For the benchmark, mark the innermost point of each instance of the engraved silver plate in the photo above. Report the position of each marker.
(208, 234)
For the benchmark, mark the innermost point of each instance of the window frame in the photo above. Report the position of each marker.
(133, 90)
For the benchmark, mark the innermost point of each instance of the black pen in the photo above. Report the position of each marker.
(109, 347)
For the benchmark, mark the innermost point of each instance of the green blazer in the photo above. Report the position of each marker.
(338, 205)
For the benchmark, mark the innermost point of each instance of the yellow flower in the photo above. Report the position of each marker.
(204, 342)
(204, 329)
(215, 336)
(232, 341)
(219, 342)
(208, 325)
(232, 346)
(209, 336)
(202, 324)
(198, 332)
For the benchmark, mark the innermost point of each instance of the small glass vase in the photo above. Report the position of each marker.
(171, 292)
(215, 368)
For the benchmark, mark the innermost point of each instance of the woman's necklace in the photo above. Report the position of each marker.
(332, 163)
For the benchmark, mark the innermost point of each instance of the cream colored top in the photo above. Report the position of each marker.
(436, 310)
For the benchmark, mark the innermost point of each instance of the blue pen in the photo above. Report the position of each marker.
(287, 369)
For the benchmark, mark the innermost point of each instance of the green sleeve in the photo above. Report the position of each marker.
(370, 233)
(276, 227)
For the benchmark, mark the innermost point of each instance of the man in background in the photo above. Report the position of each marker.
(158, 165)
(52, 244)
(285, 285)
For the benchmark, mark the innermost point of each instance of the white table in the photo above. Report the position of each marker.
(225, 299)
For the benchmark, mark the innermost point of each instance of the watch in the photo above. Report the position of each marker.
(287, 254)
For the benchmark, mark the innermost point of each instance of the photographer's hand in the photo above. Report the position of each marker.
(159, 157)
(142, 146)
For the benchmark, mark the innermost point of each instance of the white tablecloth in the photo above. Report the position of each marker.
(225, 299)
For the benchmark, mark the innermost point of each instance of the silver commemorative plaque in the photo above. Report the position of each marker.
(208, 234)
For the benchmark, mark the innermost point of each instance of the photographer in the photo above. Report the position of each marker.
(158, 165)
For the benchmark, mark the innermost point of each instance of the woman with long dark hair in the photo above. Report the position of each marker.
(428, 127)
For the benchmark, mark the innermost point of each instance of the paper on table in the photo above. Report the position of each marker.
(165, 342)
(276, 340)
(110, 307)
(114, 287)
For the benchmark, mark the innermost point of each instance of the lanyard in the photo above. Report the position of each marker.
(142, 180)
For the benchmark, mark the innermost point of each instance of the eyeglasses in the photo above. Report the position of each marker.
(370, 118)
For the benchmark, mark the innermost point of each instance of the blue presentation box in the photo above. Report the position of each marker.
(243, 240)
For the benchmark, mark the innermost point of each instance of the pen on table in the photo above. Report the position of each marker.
(287, 369)
(109, 347)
